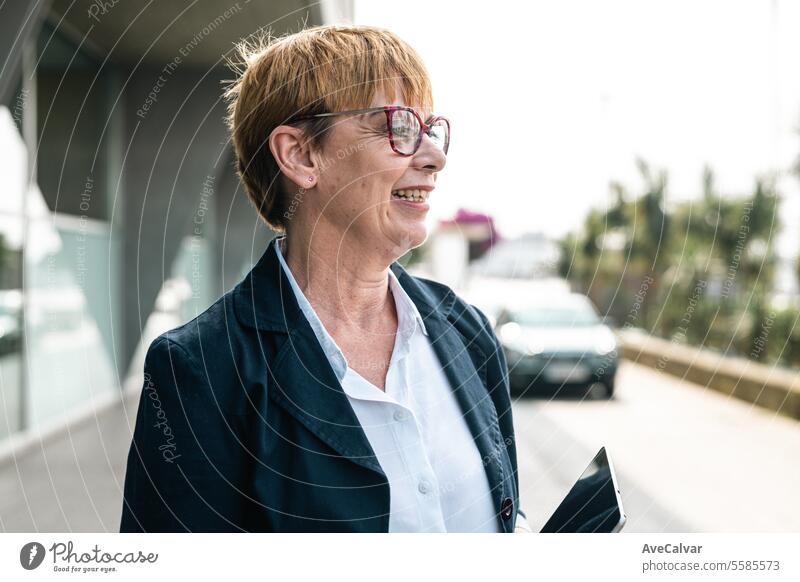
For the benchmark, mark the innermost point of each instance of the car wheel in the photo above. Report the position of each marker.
(609, 389)
(601, 391)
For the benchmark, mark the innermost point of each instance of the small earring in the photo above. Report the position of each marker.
(311, 178)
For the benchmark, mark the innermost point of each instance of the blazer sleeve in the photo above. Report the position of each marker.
(177, 478)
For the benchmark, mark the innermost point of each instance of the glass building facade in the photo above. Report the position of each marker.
(59, 253)
(61, 234)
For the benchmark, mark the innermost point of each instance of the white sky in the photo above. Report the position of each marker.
(551, 100)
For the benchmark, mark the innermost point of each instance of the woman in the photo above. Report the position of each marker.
(330, 390)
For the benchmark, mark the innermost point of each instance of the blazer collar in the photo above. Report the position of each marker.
(264, 300)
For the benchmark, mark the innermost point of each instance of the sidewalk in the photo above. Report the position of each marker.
(769, 386)
(73, 481)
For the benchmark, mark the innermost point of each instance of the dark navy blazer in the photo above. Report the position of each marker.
(243, 425)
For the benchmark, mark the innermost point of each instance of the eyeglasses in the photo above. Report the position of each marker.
(404, 127)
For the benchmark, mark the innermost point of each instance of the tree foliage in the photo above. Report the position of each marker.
(698, 271)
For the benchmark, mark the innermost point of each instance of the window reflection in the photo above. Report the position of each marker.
(13, 171)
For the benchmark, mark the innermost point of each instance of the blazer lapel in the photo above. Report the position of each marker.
(472, 396)
(308, 389)
(302, 379)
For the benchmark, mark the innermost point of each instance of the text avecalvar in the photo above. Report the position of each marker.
(671, 549)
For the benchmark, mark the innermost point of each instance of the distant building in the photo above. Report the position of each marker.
(531, 256)
(457, 242)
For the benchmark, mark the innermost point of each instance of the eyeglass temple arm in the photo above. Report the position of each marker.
(353, 111)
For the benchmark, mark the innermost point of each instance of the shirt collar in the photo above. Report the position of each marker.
(332, 351)
(405, 306)
(408, 316)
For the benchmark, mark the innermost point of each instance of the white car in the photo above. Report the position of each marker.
(557, 340)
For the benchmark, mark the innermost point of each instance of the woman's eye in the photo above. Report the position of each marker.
(402, 130)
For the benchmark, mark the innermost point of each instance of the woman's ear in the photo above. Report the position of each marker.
(292, 152)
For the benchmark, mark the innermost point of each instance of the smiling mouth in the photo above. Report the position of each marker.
(411, 195)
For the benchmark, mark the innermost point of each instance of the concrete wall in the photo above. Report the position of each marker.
(19, 21)
(173, 148)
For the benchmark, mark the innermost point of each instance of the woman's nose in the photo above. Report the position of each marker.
(430, 156)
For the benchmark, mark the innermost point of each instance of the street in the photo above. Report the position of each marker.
(688, 459)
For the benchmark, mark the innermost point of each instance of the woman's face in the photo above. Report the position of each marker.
(360, 174)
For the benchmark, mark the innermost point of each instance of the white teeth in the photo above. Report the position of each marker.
(415, 195)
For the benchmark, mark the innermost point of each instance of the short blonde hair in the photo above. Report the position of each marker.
(317, 70)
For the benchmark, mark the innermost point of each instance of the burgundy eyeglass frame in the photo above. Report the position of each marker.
(390, 110)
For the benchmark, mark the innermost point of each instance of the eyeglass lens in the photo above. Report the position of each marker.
(406, 129)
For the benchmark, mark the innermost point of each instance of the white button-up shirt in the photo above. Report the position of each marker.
(416, 428)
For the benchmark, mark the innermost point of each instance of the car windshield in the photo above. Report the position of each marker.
(561, 316)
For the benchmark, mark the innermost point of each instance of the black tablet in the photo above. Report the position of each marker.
(593, 505)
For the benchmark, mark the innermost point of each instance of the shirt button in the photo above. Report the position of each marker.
(424, 487)
(399, 415)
